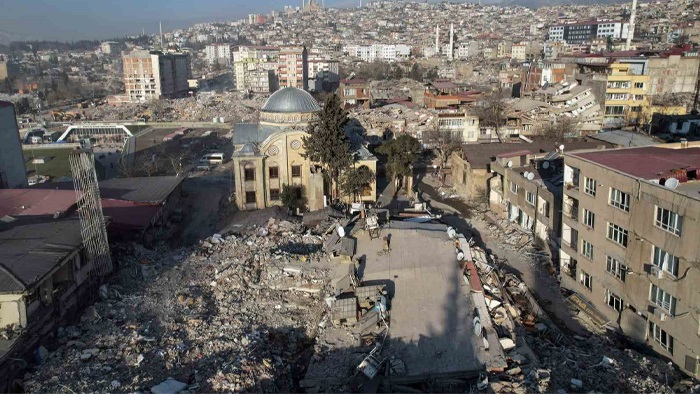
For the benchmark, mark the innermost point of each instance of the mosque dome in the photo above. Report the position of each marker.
(291, 100)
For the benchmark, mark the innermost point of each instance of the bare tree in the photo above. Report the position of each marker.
(443, 143)
(564, 127)
(492, 111)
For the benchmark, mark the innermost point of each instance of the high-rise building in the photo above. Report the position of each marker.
(254, 68)
(219, 53)
(3, 70)
(630, 224)
(293, 67)
(13, 173)
(111, 47)
(151, 75)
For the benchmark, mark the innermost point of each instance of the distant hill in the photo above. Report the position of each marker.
(6, 37)
(544, 3)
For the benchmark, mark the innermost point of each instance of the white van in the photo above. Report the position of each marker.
(213, 158)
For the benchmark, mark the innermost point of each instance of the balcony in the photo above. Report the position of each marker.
(571, 210)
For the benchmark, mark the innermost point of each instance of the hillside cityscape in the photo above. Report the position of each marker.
(388, 196)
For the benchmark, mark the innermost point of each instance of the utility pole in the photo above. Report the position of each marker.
(160, 27)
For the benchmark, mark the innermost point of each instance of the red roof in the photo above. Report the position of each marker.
(15, 202)
(646, 162)
(129, 214)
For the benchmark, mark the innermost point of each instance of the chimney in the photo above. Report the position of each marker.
(684, 143)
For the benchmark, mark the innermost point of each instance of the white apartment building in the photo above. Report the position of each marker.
(322, 73)
(616, 30)
(150, 75)
(384, 52)
(219, 53)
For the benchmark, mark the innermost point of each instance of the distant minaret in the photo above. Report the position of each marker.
(160, 27)
(437, 40)
(452, 41)
(630, 29)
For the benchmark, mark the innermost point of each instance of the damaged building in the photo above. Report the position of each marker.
(629, 243)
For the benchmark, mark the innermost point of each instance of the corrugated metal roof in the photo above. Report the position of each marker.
(153, 189)
(623, 138)
(30, 247)
(35, 201)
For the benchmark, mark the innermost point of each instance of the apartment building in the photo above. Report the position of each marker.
(3, 70)
(581, 32)
(150, 75)
(323, 74)
(354, 93)
(630, 225)
(463, 126)
(255, 75)
(219, 53)
(292, 67)
(626, 97)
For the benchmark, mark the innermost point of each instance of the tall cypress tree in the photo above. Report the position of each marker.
(326, 142)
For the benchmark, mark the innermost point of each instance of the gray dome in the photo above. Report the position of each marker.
(291, 100)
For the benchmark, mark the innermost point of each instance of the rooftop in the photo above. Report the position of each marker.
(34, 202)
(430, 306)
(479, 155)
(650, 163)
(30, 248)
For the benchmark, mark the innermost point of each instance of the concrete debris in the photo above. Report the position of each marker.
(171, 330)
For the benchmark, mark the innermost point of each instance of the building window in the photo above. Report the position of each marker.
(530, 197)
(620, 200)
(663, 299)
(586, 280)
(249, 174)
(513, 187)
(617, 234)
(616, 268)
(661, 337)
(588, 218)
(296, 171)
(639, 85)
(668, 220)
(274, 194)
(250, 197)
(587, 249)
(274, 172)
(589, 186)
(665, 261)
(613, 301)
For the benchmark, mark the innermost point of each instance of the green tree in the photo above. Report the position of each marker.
(293, 196)
(354, 181)
(401, 153)
(326, 142)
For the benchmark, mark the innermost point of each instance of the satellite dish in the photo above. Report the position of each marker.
(509, 164)
(561, 147)
(341, 231)
(451, 232)
(671, 183)
(460, 256)
(530, 176)
(525, 174)
(545, 165)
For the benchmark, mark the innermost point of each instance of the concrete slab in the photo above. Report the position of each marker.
(431, 309)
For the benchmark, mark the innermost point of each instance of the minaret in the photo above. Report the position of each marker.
(437, 40)
(452, 41)
(160, 28)
(630, 29)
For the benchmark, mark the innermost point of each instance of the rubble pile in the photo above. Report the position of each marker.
(232, 106)
(597, 364)
(235, 313)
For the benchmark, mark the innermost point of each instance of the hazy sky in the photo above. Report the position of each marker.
(98, 19)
